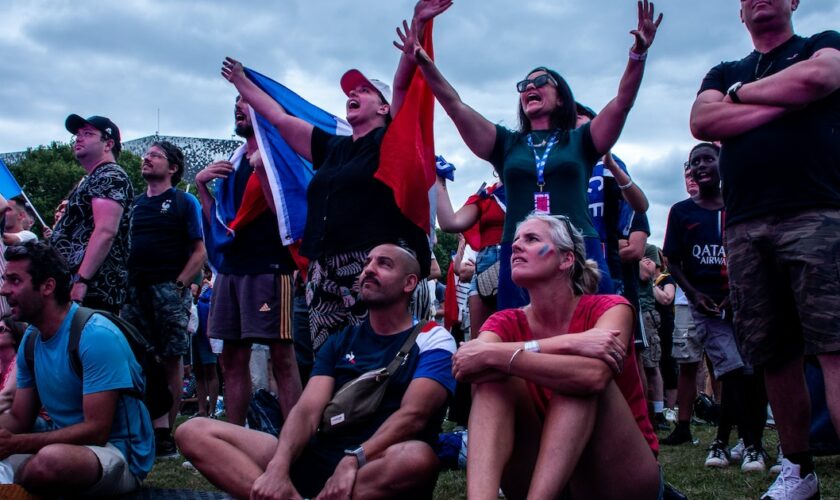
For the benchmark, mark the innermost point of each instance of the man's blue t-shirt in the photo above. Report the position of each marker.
(107, 364)
(358, 349)
(163, 231)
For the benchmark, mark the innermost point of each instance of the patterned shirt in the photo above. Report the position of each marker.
(72, 233)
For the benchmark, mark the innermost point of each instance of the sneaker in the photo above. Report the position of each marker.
(736, 453)
(670, 415)
(678, 436)
(777, 467)
(165, 446)
(659, 422)
(188, 465)
(753, 459)
(718, 456)
(789, 486)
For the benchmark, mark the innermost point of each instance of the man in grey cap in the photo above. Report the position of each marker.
(93, 234)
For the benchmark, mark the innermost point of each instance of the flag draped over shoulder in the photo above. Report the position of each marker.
(288, 174)
(407, 155)
(9, 187)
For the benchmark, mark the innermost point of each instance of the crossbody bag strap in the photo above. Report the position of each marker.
(402, 356)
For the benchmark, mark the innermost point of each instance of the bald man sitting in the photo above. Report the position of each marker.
(389, 455)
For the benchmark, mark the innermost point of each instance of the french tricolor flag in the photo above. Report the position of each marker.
(288, 173)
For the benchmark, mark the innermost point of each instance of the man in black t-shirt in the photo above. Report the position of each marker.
(167, 251)
(253, 291)
(777, 113)
(92, 236)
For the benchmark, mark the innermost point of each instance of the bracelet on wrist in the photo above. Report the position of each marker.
(515, 353)
(637, 57)
(626, 186)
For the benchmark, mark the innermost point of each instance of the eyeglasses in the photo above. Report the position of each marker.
(5, 329)
(697, 160)
(156, 155)
(538, 82)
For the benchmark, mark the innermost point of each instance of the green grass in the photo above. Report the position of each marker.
(683, 468)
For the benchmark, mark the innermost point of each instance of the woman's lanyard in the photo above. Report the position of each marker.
(542, 200)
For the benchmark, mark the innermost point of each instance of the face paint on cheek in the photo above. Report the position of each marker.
(544, 250)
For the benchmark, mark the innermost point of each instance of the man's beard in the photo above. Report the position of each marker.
(244, 131)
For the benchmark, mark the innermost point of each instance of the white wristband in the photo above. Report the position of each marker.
(637, 57)
(626, 186)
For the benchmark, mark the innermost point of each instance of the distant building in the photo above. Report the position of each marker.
(198, 152)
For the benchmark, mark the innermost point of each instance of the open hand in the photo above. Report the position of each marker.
(232, 70)
(425, 10)
(646, 30)
(409, 45)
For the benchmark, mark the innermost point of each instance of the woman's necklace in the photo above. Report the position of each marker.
(758, 64)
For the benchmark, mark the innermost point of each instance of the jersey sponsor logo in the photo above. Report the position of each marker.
(709, 254)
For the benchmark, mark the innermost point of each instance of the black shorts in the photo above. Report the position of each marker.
(254, 308)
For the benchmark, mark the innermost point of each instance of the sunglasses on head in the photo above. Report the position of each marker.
(538, 82)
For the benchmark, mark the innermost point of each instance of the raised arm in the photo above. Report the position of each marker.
(424, 11)
(451, 221)
(477, 132)
(607, 125)
(631, 191)
(296, 132)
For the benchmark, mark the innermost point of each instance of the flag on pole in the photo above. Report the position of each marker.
(407, 155)
(288, 174)
(9, 187)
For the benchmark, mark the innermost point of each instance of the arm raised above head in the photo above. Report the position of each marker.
(296, 132)
(424, 12)
(477, 132)
(607, 125)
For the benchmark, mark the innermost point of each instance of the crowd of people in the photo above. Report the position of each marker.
(559, 340)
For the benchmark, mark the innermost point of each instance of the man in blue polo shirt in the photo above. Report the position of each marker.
(167, 252)
(388, 454)
(102, 440)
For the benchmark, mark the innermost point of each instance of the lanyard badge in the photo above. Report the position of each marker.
(542, 200)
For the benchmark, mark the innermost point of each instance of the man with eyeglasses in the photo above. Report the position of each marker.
(777, 113)
(93, 234)
(167, 252)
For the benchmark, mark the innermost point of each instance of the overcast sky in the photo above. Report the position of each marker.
(127, 59)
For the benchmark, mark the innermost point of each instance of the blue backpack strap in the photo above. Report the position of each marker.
(77, 324)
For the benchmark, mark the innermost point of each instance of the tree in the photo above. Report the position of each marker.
(48, 174)
(447, 244)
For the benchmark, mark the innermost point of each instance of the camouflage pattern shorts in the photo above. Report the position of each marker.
(161, 313)
(784, 280)
(653, 354)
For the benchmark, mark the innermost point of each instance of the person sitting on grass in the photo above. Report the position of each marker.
(102, 441)
(556, 387)
(386, 456)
